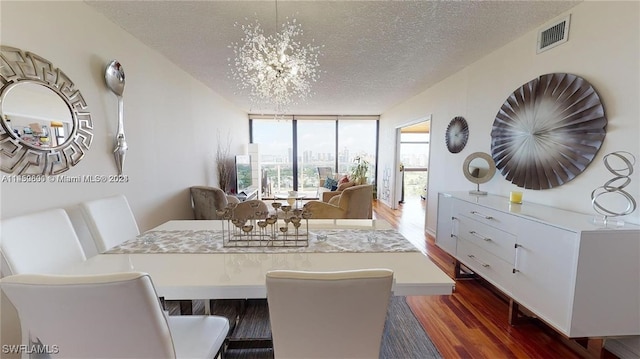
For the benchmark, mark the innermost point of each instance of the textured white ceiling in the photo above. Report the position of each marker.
(375, 55)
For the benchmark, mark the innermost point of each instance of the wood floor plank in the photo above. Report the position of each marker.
(473, 321)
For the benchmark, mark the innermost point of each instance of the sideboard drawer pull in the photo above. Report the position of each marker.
(515, 261)
(475, 213)
(476, 259)
(476, 234)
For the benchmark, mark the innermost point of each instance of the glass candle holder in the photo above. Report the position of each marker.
(515, 197)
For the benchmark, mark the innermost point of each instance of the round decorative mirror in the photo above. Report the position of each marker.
(457, 134)
(479, 168)
(47, 124)
(45, 127)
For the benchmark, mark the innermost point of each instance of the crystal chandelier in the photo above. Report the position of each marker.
(277, 70)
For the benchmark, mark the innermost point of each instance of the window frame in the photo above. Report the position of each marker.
(294, 133)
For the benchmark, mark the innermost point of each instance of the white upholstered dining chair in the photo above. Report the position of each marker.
(328, 314)
(110, 221)
(41, 242)
(108, 316)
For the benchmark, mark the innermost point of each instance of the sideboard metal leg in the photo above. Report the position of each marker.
(460, 273)
(583, 342)
(515, 314)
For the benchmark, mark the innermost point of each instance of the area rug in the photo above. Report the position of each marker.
(404, 337)
(210, 241)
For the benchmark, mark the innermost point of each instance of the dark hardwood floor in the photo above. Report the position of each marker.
(473, 321)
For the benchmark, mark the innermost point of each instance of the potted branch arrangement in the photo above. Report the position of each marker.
(224, 164)
(359, 170)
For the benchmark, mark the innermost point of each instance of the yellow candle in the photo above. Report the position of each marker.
(515, 197)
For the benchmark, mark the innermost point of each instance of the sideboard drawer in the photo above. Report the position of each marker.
(486, 215)
(493, 240)
(558, 264)
(485, 264)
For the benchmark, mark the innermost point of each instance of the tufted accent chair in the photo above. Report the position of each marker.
(206, 200)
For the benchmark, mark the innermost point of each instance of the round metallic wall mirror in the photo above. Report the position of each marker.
(479, 168)
(37, 115)
(46, 127)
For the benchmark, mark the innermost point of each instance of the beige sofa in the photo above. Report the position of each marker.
(327, 195)
(354, 202)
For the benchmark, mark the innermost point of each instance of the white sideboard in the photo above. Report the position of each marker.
(578, 277)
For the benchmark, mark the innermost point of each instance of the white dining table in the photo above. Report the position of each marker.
(187, 276)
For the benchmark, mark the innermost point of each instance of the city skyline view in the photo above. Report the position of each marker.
(316, 148)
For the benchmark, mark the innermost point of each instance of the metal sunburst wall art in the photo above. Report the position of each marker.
(548, 131)
(457, 134)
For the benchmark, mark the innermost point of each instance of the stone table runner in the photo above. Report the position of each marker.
(210, 241)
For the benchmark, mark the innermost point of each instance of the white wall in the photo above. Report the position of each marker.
(603, 48)
(171, 119)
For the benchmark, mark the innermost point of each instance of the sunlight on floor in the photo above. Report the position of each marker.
(413, 211)
(412, 221)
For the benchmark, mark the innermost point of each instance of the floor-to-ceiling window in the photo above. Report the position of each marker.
(276, 152)
(292, 149)
(316, 148)
(357, 138)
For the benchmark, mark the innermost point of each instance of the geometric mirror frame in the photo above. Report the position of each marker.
(46, 127)
(548, 131)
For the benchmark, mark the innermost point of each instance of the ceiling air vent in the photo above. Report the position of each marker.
(553, 34)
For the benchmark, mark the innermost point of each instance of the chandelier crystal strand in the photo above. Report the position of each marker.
(276, 70)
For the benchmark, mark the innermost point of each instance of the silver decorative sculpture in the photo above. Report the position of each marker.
(611, 189)
(264, 230)
(114, 78)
